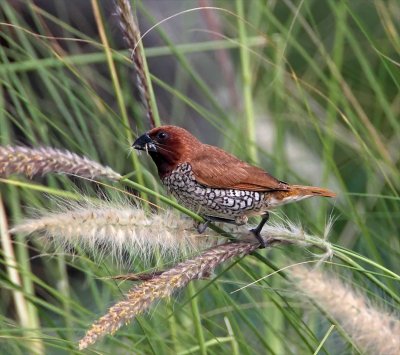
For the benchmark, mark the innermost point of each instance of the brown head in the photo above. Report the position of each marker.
(168, 146)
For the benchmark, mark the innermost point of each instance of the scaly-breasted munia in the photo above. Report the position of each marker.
(214, 183)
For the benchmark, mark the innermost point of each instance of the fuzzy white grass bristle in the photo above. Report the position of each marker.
(108, 228)
(286, 231)
(123, 229)
(373, 330)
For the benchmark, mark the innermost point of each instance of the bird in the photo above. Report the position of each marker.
(216, 184)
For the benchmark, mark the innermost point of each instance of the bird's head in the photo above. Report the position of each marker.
(168, 146)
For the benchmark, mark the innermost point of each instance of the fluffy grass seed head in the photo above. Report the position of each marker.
(122, 228)
(140, 297)
(373, 330)
(40, 161)
(115, 229)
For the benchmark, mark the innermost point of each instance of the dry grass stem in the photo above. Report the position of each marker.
(44, 160)
(24, 309)
(373, 330)
(140, 297)
(141, 276)
(132, 37)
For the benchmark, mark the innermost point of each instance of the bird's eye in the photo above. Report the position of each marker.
(162, 135)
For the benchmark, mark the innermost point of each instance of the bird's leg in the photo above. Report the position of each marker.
(256, 231)
(201, 227)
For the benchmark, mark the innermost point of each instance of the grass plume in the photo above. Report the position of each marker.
(162, 284)
(104, 226)
(116, 228)
(140, 297)
(373, 330)
(40, 161)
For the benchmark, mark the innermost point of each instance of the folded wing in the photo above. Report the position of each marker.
(216, 168)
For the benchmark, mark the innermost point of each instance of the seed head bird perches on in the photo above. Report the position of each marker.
(214, 183)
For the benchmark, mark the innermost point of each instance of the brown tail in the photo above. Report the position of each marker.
(312, 191)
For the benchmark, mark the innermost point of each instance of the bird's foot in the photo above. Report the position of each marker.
(256, 231)
(202, 226)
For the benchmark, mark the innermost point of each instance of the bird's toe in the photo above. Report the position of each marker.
(256, 233)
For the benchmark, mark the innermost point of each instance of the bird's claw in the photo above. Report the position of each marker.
(202, 226)
(256, 232)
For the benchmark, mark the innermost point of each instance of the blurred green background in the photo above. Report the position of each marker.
(308, 90)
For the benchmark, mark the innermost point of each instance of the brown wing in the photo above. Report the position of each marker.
(214, 167)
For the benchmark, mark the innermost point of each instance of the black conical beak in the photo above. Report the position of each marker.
(144, 142)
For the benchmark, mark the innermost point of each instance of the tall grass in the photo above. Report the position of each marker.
(319, 91)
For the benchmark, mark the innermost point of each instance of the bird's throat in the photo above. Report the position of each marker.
(165, 163)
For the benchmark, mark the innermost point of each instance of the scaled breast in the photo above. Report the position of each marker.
(225, 203)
